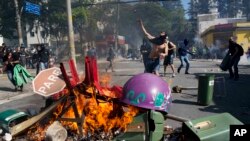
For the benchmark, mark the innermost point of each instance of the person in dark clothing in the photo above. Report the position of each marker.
(145, 51)
(43, 55)
(169, 59)
(10, 61)
(110, 58)
(23, 54)
(183, 51)
(235, 52)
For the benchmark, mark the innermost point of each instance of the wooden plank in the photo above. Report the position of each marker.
(17, 129)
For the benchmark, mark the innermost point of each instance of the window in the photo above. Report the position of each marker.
(32, 34)
(42, 33)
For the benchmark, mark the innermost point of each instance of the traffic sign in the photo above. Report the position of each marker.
(48, 82)
(32, 8)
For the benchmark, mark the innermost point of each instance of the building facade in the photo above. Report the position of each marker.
(218, 35)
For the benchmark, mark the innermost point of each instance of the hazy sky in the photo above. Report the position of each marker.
(185, 5)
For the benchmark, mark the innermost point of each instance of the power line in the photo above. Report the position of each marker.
(117, 2)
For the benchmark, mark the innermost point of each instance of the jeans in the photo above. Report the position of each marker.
(10, 77)
(153, 65)
(41, 66)
(145, 60)
(234, 63)
(184, 59)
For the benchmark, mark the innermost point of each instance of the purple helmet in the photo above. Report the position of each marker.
(147, 91)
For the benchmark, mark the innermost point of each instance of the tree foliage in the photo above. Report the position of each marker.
(7, 18)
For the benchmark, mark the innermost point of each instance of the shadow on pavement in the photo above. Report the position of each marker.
(124, 74)
(178, 101)
(7, 89)
(231, 96)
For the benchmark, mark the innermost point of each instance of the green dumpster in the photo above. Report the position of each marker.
(205, 89)
(211, 128)
(148, 126)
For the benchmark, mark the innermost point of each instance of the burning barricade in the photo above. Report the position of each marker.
(88, 111)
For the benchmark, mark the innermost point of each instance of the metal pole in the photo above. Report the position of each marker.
(71, 31)
(19, 27)
(117, 26)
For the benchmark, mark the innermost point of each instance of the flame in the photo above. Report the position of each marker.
(105, 79)
(100, 116)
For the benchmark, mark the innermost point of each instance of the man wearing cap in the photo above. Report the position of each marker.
(159, 50)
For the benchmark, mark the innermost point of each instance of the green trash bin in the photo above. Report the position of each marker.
(210, 128)
(205, 89)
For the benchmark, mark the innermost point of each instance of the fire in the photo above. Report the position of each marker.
(105, 79)
(101, 117)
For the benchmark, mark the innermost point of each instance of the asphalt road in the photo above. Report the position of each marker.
(229, 95)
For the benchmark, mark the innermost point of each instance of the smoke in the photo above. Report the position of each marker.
(244, 60)
(214, 51)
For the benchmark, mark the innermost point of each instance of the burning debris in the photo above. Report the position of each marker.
(86, 111)
(102, 120)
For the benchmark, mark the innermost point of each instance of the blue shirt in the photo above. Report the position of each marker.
(183, 50)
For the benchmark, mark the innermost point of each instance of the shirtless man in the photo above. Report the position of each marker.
(159, 50)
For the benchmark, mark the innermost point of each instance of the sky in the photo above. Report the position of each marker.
(185, 5)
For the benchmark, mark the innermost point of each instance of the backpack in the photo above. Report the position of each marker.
(241, 50)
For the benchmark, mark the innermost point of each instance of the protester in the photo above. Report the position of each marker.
(248, 53)
(10, 60)
(235, 52)
(110, 58)
(183, 52)
(23, 55)
(159, 50)
(91, 52)
(145, 51)
(43, 55)
(169, 59)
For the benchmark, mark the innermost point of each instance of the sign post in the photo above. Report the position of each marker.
(48, 82)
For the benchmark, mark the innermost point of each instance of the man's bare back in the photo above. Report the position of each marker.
(158, 51)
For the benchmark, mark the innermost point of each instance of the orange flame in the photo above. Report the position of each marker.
(98, 115)
(105, 79)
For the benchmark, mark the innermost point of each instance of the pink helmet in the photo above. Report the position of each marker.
(147, 91)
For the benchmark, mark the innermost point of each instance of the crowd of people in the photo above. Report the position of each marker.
(162, 49)
(15, 61)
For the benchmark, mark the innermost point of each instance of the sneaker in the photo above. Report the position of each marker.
(187, 73)
(173, 75)
(21, 88)
(178, 70)
(15, 89)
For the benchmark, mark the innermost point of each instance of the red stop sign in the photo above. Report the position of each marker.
(48, 82)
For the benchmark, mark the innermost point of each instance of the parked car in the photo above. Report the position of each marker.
(10, 118)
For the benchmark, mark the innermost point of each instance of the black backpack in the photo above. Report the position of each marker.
(241, 50)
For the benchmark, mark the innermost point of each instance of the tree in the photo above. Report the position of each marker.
(223, 8)
(7, 19)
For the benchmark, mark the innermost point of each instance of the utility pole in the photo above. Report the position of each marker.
(71, 32)
(19, 27)
(117, 25)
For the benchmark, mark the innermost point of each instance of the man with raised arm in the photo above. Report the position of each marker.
(159, 50)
